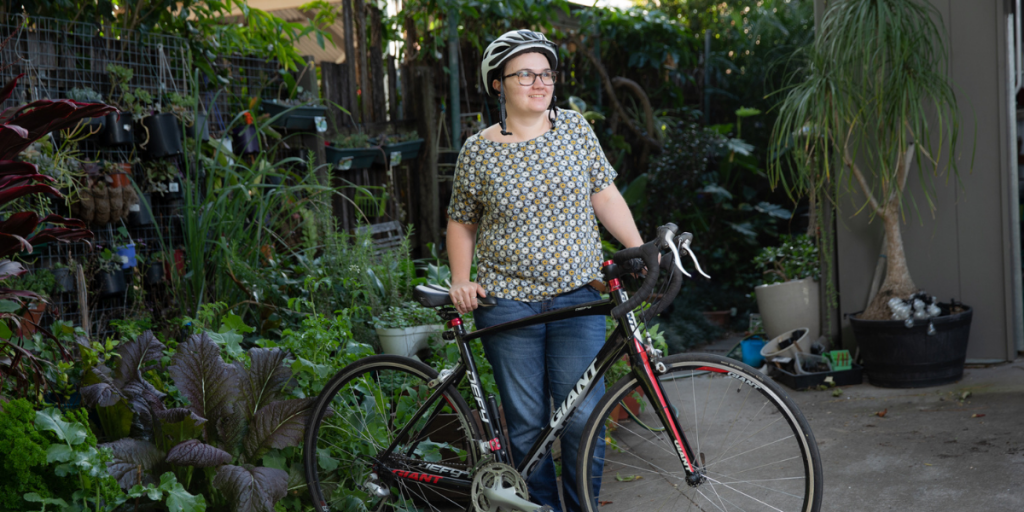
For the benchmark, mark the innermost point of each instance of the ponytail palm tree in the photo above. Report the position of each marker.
(872, 103)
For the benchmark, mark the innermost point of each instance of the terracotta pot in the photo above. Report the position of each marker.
(632, 404)
(719, 318)
(31, 319)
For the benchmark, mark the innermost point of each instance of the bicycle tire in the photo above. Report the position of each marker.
(732, 416)
(357, 416)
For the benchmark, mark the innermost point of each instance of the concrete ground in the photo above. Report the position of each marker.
(953, 447)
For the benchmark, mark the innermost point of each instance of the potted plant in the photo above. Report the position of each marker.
(163, 179)
(873, 101)
(110, 276)
(154, 268)
(245, 138)
(302, 109)
(185, 109)
(130, 103)
(405, 330)
(41, 284)
(789, 297)
(351, 151)
(398, 148)
(63, 278)
(125, 247)
(94, 125)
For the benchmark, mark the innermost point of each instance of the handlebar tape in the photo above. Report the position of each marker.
(649, 254)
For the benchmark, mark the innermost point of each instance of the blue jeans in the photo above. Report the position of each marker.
(536, 364)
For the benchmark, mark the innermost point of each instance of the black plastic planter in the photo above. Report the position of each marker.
(154, 273)
(117, 130)
(409, 150)
(141, 214)
(111, 284)
(245, 141)
(294, 118)
(351, 158)
(164, 135)
(899, 357)
(173, 193)
(65, 281)
(201, 126)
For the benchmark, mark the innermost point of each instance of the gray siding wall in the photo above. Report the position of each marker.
(965, 249)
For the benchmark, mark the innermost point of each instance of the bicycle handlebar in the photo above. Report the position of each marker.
(649, 253)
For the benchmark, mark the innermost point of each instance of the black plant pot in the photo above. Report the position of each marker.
(899, 357)
(118, 129)
(154, 273)
(65, 280)
(245, 141)
(164, 135)
(141, 214)
(111, 284)
(201, 126)
(174, 192)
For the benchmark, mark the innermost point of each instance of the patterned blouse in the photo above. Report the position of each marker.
(537, 234)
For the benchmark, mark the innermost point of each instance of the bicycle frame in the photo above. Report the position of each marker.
(613, 349)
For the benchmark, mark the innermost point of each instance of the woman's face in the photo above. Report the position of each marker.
(534, 98)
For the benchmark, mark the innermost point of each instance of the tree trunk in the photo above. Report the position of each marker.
(898, 282)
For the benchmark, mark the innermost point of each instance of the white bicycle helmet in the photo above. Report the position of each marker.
(511, 44)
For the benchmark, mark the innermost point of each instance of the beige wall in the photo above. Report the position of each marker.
(966, 250)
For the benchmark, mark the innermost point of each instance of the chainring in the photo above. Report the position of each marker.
(495, 475)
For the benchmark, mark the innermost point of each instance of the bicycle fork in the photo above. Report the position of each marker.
(647, 376)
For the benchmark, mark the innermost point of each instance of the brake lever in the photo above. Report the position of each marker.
(685, 246)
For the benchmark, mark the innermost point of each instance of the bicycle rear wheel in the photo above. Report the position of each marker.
(358, 415)
(758, 451)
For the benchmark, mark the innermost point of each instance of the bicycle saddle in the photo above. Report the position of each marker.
(433, 296)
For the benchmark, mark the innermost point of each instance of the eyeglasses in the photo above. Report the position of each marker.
(527, 78)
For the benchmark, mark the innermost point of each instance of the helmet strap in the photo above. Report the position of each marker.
(501, 108)
(553, 115)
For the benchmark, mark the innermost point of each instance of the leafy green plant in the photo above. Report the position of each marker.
(85, 95)
(853, 121)
(322, 345)
(38, 282)
(351, 141)
(409, 314)
(796, 258)
(182, 106)
(236, 413)
(134, 101)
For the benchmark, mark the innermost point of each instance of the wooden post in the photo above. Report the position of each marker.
(425, 181)
(393, 90)
(350, 59)
(365, 84)
(376, 82)
(315, 141)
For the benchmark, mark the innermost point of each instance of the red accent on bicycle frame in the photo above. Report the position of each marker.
(614, 284)
(454, 321)
(495, 445)
(664, 404)
(710, 369)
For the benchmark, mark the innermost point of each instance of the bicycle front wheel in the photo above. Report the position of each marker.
(359, 414)
(755, 447)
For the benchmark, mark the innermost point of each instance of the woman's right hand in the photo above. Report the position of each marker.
(464, 295)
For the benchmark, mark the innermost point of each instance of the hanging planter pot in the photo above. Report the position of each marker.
(302, 118)
(347, 159)
(164, 135)
(154, 273)
(200, 126)
(245, 140)
(117, 129)
(127, 254)
(394, 154)
(171, 191)
(111, 284)
(65, 280)
(141, 213)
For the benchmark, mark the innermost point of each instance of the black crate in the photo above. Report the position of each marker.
(849, 377)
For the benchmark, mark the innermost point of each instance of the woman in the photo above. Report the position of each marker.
(527, 191)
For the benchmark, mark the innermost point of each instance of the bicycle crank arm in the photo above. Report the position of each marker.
(506, 498)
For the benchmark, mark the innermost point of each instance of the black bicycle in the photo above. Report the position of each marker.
(683, 432)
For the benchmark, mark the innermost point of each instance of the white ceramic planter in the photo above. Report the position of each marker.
(790, 305)
(406, 341)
